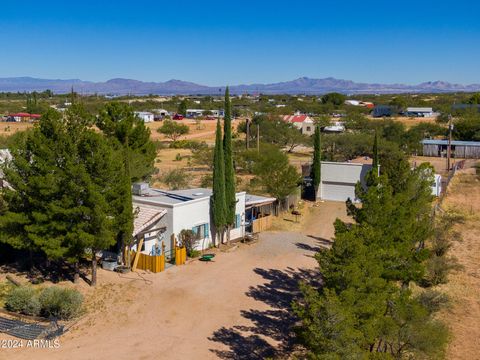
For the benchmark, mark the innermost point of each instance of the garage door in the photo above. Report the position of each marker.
(335, 191)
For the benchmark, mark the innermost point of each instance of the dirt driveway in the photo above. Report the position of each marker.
(236, 307)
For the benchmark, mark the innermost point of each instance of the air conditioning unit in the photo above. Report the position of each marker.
(140, 189)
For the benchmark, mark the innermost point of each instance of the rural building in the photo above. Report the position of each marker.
(194, 113)
(167, 213)
(304, 123)
(338, 180)
(337, 127)
(382, 111)
(160, 114)
(366, 104)
(18, 117)
(460, 149)
(463, 107)
(420, 112)
(145, 116)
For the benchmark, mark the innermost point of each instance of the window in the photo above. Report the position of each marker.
(238, 221)
(309, 128)
(201, 231)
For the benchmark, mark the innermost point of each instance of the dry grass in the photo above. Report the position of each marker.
(463, 317)
(408, 121)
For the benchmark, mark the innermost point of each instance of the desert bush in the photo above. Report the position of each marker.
(175, 179)
(190, 241)
(60, 302)
(188, 144)
(433, 300)
(438, 268)
(23, 300)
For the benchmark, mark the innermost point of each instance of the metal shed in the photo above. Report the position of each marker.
(460, 149)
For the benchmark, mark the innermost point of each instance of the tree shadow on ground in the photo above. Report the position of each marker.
(322, 244)
(37, 270)
(271, 332)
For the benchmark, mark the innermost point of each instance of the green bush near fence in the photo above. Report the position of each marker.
(23, 300)
(53, 301)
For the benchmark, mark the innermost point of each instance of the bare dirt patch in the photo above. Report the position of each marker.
(463, 317)
(237, 307)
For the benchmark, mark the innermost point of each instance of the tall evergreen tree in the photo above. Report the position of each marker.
(218, 197)
(375, 163)
(132, 138)
(317, 158)
(62, 177)
(230, 196)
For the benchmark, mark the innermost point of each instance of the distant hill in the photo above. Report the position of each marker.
(302, 85)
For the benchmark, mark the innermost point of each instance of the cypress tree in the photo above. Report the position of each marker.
(230, 198)
(218, 196)
(316, 166)
(375, 163)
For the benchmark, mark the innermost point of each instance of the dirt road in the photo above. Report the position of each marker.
(236, 307)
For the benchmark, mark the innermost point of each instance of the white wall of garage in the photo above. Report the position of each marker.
(339, 179)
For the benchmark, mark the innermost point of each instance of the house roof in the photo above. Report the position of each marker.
(25, 115)
(251, 200)
(297, 118)
(419, 109)
(172, 197)
(145, 217)
(454, 142)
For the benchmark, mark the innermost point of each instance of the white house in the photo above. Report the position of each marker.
(167, 212)
(339, 180)
(304, 123)
(145, 116)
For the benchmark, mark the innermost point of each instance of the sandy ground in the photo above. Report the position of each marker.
(236, 307)
(463, 317)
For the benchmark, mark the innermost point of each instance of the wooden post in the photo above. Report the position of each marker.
(248, 133)
(137, 254)
(258, 137)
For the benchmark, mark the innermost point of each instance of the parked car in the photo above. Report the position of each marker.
(178, 117)
(209, 117)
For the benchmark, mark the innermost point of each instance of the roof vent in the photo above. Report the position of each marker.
(197, 194)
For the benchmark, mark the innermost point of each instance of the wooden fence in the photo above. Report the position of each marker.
(154, 264)
(262, 224)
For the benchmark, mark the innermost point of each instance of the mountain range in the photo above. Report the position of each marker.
(303, 85)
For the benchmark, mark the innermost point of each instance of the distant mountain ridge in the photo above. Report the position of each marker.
(303, 85)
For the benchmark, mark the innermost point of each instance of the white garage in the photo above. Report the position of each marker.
(339, 180)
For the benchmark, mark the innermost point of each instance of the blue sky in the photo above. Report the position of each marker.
(233, 42)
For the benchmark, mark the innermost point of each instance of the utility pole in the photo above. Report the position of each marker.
(449, 149)
(248, 133)
(258, 137)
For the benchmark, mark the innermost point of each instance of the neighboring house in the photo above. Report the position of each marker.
(460, 149)
(145, 116)
(18, 117)
(304, 123)
(167, 213)
(338, 180)
(420, 112)
(160, 114)
(194, 113)
(366, 104)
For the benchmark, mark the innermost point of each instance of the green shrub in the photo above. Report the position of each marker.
(188, 144)
(23, 300)
(60, 302)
